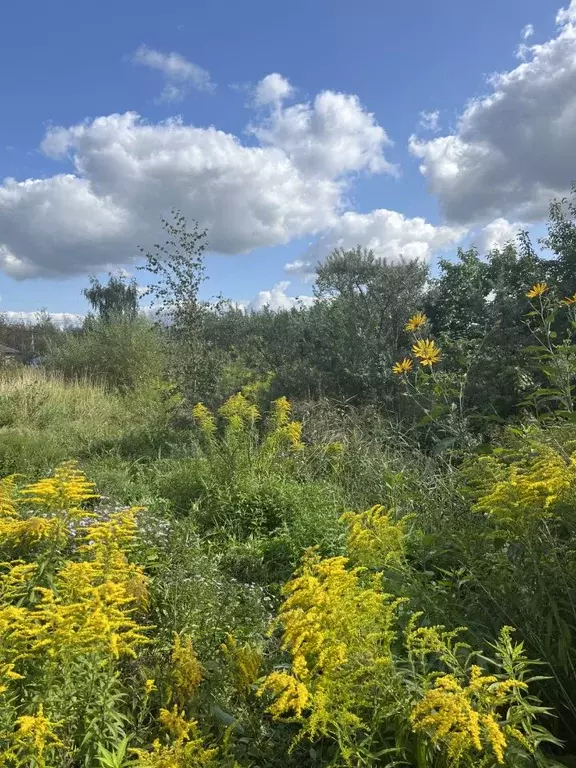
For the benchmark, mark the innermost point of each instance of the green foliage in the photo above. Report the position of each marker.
(123, 354)
(117, 300)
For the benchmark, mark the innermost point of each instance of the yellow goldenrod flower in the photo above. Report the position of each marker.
(426, 351)
(374, 539)
(245, 662)
(37, 732)
(205, 419)
(402, 366)
(416, 321)
(175, 722)
(464, 718)
(186, 673)
(149, 686)
(65, 491)
(239, 413)
(539, 289)
(291, 696)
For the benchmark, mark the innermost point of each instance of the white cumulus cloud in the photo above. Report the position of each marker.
(180, 74)
(497, 234)
(276, 299)
(331, 136)
(512, 148)
(390, 234)
(125, 172)
(272, 89)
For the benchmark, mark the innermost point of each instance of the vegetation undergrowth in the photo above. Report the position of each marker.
(342, 534)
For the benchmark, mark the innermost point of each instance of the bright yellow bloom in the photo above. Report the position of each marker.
(569, 300)
(465, 717)
(149, 686)
(245, 662)
(186, 672)
(205, 419)
(426, 351)
(65, 491)
(239, 413)
(402, 367)
(374, 539)
(539, 289)
(339, 632)
(416, 321)
(291, 696)
(532, 488)
(281, 409)
(35, 733)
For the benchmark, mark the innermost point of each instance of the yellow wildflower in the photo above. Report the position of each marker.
(426, 351)
(402, 366)
(245, 662)
(538, 289)
(36, 733)
(7, 497)
(175, 722)
(238, 412)
(375, 540)
(65, 491)
(569, 300)
(291, 696)
(339, 632)
(205, 419)
(464, 718)
(6, 674)
(149, 686)
(416, 321)
(186, 671)
(280, 414)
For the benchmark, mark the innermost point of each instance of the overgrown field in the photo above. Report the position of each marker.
(341, 535)
(278, 600)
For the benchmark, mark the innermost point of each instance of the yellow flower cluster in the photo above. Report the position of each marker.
(205, 419)
(374, 539)
(241, 415)
(186, 672)
(464, 718)
(339, 632)
(82, 610)
(424, 350)
(65, 491)
(186, 750)
(526, 490)
(239, 412)
(245, 662)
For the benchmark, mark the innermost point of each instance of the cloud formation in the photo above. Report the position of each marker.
(126, 172)
(272, 89)
(276, 299)
(430, 121)
(180, 75)
(390, 234)
(508, 156)
(497, 234)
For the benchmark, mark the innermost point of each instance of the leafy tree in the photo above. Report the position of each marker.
(363, 305)
(178, 269)
(118, 299)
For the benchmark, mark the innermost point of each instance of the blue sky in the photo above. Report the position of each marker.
(65, 65)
